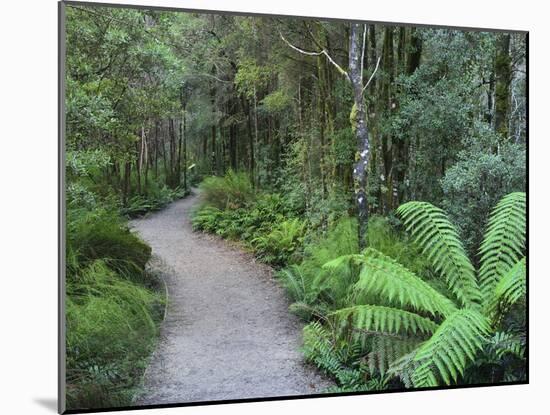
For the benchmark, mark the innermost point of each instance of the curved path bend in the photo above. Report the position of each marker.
(227, 332)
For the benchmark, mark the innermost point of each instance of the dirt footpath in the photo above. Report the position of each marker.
(228, 333)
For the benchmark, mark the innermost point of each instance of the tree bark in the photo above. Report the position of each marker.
(359, 123)
(503, 75)
(184, 150)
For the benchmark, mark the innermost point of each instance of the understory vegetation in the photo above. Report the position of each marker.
(380, 169)
(113, 304)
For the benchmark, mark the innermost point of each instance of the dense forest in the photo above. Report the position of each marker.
(381, 170)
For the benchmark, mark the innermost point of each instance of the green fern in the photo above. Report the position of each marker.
(387, 349)
(445, 355)
(384, 276)
(383, 320)
(439, 240)
(511, 288)
(319, 348)
(502, 343)
(504, 241)
(409, 330)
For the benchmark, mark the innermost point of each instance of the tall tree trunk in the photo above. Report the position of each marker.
(411, 61)
(184, 150)
(503, 76)
(213, 149)
(321, 109)
(156, 149)
(256, 129)
(359, 124)
(126, 182)
(139, 151)
(387, 103)
(180, 150)
(252, 159)
(173, 181)
(144, 158)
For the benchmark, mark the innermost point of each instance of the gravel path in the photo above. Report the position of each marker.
(227, 333)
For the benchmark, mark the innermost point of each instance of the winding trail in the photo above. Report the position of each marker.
(227, 333)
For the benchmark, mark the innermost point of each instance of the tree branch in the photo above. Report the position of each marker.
(372, 76)
(322, 52)
(363, 48)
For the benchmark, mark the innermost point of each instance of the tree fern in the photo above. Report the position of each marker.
(385, 350)
(320, 349)
(504, 241)
(403, 368)
(383, 276)
(409, 330)
(445, 355)
(383, 319)
(439, 240)
(511, 288)
(502, 343)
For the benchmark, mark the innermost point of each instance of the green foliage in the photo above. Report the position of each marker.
(367, 318)
(102, 235)
(383, 276)
(156, 198)
(510, 289)
(480, 178)
(280, 245)
(111, 327)
(308, 284)
(441, 244)
(232, 191)
(413, 330)
(338, 360)
(445, 355)
(261, 222)
(206, 219)
(112, 309)
(276, 102)
(251, 77)
(504, 241)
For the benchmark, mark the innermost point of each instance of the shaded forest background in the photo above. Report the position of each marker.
(277, 110)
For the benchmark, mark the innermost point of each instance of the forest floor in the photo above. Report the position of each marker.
(227, 332)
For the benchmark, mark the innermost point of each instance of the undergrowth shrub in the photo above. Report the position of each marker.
(230, 191)
(113, 309)
(102, 234)
(156, 198)
(281, 245)
(111, 327)
(264, 224)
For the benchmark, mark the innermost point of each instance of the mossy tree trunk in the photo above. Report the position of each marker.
(503, 75)
(359, 124)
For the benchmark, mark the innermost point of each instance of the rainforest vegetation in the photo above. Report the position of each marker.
(381, 170)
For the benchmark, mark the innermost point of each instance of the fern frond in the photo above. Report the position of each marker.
(384, 276)
(385, 350)
(403, 368)
(511, 288)
(445, 355)
(319, 348)
(503, 343)
(439, 240)
(342, 261)
(293, 280)
(374, 318)
(504, 241)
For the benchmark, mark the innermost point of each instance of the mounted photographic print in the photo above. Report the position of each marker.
(261, 207)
